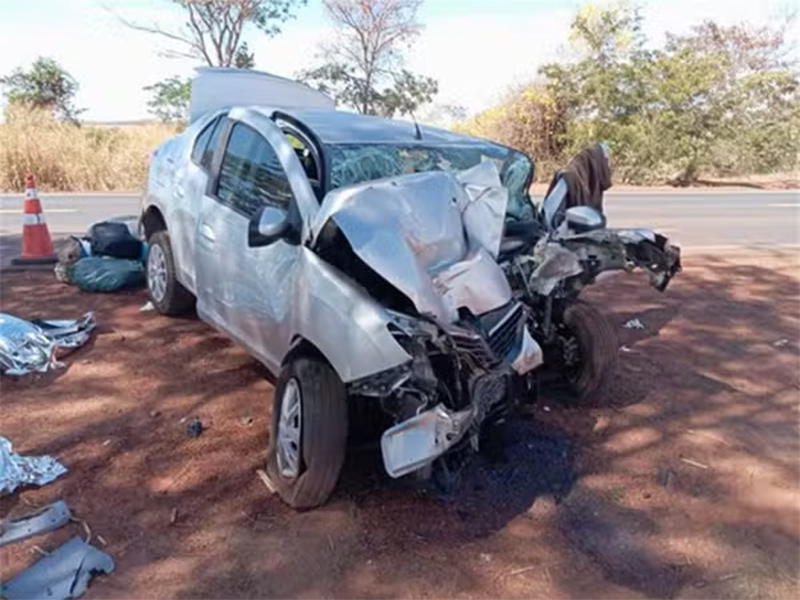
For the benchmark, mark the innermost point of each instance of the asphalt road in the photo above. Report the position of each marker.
(703, 221)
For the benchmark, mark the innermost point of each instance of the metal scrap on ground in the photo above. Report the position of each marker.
(16, 470)
(41, 521)
(32, 346)
(64, 573)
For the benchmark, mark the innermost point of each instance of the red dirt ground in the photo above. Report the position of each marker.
(595, 501)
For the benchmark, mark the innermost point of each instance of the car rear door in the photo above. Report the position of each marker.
(191, 182)
(247, 292)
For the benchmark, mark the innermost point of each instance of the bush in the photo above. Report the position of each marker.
(530, 120)
(69, 157)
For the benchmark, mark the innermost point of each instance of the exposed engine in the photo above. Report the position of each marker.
(457, 381)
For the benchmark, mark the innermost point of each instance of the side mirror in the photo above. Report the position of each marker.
(584, 218)
(267, 226)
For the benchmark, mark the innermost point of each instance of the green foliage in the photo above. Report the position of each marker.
(170, 99)
(244, 59)
(46, 85)
(363, 68)
(718, 101)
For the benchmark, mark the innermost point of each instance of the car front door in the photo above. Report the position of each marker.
(248, 292)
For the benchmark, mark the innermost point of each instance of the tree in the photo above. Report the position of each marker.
(364, 64)
(46, 85)
(170, 100)
(717, 101)
(244, 59)
(733, 99)
(213, 29)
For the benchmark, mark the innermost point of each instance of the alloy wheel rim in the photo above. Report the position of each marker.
(157, 273)
(289, 430)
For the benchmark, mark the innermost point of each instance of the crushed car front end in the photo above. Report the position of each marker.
(424, 246)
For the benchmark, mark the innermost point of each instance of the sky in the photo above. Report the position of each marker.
(476, 49)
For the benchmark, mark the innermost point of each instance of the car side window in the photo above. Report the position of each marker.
(201, 142)
(251, 175)
(213, 142)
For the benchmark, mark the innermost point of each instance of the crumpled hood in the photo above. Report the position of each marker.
(434, 236)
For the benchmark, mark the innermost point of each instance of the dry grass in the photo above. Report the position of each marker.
(67, 157)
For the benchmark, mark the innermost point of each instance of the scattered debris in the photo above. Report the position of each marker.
(102, 540)
(27, 502)
(601, 424)
(246, 421)
(665, 477)
(86, 529)
(154, 414)
(633, 324)
(28, 346)
(626, 349)
(694, 463)
(173, 516)
(262, 475)
(147, 307)
(64, 573)
(16, 470)
(546, 408)
(521, 571)
(710, 436)
(195, 428)
(106, 443)
(43, 520)
(780, 343)
(728, 577)
(38, 549)
(486, 557)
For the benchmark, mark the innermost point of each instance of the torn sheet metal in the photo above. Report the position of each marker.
(45, 519)
(413, 227)
(64, 573)
(16, 470)
(622, 248)
(30, 346)
(554, 264)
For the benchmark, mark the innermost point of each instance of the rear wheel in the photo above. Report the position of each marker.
(590, 350)
(309, 432)
(166, 293)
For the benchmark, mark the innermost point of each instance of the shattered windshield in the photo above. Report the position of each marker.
(356, 163)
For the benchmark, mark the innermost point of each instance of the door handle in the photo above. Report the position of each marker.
(208, 233)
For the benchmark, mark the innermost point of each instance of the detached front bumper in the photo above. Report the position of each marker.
(418, 441)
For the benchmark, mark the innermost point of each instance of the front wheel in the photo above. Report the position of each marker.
(166, 293)
(309, 433)
(591, 350)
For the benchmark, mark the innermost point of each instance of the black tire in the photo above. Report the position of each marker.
(599, 351)
(176, 299)
(323, 433)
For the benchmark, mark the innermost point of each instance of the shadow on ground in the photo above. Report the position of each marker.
(682, 483)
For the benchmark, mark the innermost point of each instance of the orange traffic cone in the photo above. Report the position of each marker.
(37, 247)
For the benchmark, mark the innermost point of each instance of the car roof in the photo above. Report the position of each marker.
(340, 127)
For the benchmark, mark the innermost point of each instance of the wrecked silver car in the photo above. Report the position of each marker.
(374, 267)
(356, 258)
